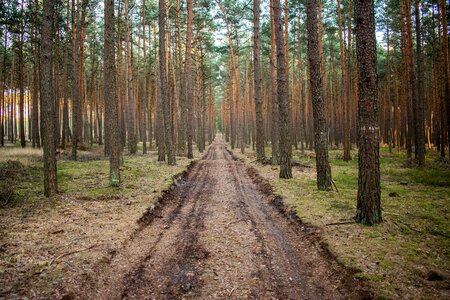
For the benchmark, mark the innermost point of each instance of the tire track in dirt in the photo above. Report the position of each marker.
(218, 237)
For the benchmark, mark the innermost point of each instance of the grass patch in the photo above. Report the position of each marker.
(88, 178)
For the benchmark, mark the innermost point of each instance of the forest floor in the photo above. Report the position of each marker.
(220, 230)
(217, 232)
(408, 255)
(47, 245)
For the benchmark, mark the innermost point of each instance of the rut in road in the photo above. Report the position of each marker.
(218, 236)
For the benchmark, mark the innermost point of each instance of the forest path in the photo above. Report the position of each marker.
(218, 236)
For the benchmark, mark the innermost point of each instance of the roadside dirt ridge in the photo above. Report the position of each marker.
(218, 237)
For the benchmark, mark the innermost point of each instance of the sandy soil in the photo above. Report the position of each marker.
(219, 234)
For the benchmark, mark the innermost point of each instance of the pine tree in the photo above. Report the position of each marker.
(48, 105)
(109, 71)
(320, 128)
(283, 95)
(260, 153)
(368, 209)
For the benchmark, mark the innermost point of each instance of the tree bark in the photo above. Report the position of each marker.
(144, 84)
(48, 105)
(324, 181)
(419, 125)
(109, 92)
(368, 209)
(274, 139)
(131, 120)
(260, 153)
(23, 142)
(344, 88)
(188, 79)
(283, 95)
(168, 136)
(446, 100)
(65, 123)
(2, 90)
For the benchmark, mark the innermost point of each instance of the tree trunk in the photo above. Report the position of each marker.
(446, 100)
(260, 153)
(2, 90)
(76, 78)
(168, 136)
(65, 123)
(344, 90)
(419, 129)
(368, 209)
(188, 79)
(131, 120)
(144, 83)
(21, 87)
(283, 95)
(109, 92)
(324, 181)
(273, 80)
(48, 105)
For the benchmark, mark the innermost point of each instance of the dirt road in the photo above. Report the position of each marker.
(218, 236)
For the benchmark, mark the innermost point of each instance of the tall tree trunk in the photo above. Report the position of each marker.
(260, 153)
(109, 92)
(23, 142)
(181, 144)
(420, 126)
(411, 75)
(368, 209)
(283, 95)
(324, 181)
(344, 90)
(188, 79)
(446, 100)
(131, 120)
(408, 83)
(65, 123)
(144, 85)
(168, 136)
(48, 105)
(301, 94)
(2, 90)
(76, 82)
(273, 80)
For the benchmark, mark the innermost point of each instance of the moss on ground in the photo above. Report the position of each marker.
(88, 178)
(397, 256)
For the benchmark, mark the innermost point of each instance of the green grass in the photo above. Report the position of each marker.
(141, 176)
